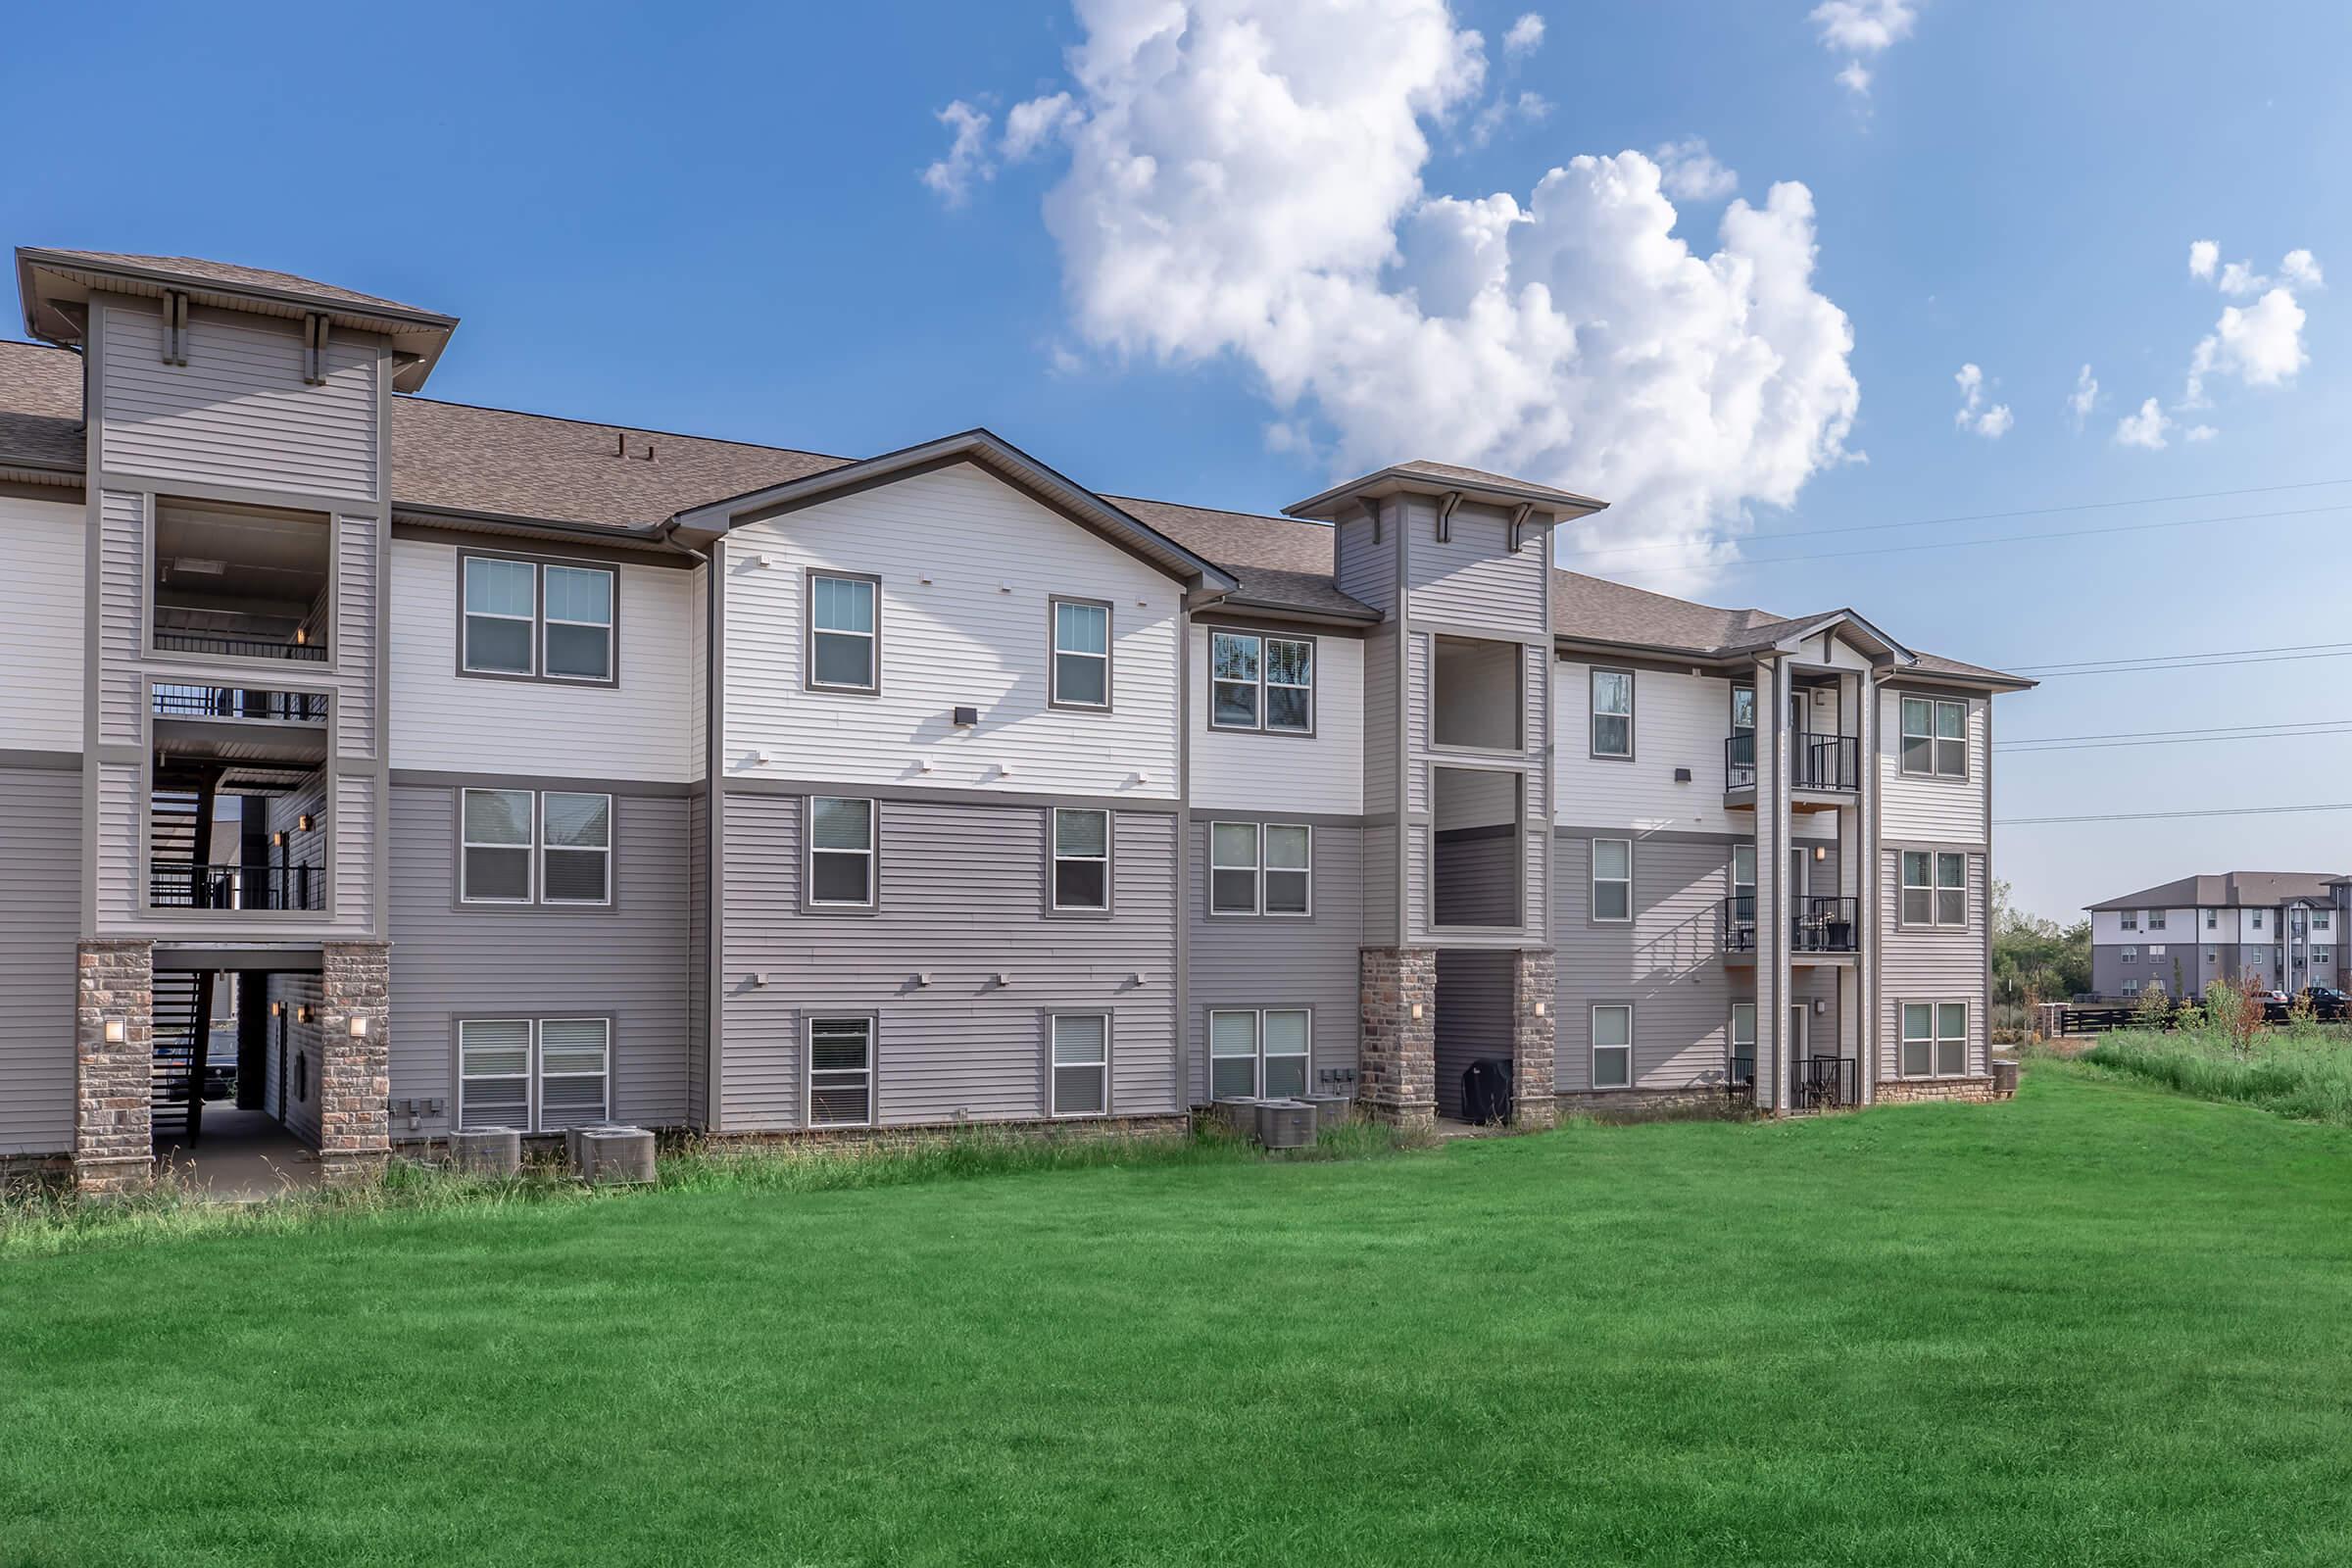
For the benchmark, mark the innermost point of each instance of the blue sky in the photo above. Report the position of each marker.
(715, 220)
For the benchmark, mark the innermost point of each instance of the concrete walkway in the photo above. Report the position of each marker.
(243, 1155)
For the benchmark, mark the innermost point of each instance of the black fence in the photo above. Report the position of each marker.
(1815, 925)
(1815, 761)
(221, 702)
(201, 642)
(186, 885)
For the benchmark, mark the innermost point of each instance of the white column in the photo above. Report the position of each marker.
(1868, 871)
(1775, 1048)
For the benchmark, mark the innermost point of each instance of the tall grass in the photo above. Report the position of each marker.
(2300, 1072)
(39, 1221)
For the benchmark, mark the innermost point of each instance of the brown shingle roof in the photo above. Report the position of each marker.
(40, 406)
(2252, 890)
(1492, 482)
(1279, 561)
(1600, 611)
(228, 274)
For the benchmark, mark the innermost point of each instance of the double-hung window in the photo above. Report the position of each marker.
(841, 1072)
(2127, 955)
(1612, 1045)
(1081, 1077)
(521, 846)
(534, 1074)
(1935, 888)
(1259, 1052)
(576, 859)
(1951, 889)
(2155, 919)
(1081, 858)
(2131, 920)
(1935, 1041)
(1261, 683)
(1081, 654)
(840, 852)
(845, 632)
(1612, 879)
(495, 828)
(540, 619)
(1744, 1041)
(1613, 714)
(1935, 738)
(1260, 868)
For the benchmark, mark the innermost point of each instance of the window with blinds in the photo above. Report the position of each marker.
(575, 1072)
(1081, 858)
(841, 1072)
(840, 852)
(494, 1073)
(1260, 1050)
(535, 1075)
(496, 830)
(576, 862)
(1081, 1046)
(1232, 1055)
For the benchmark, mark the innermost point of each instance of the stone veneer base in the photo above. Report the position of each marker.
(1919, 1090)
(886, 1140)
(1652, 1104)
(355, 1071)
(113, 1136)
(1396, 1057)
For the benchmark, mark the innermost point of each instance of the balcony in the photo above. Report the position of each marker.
(189, 885)
(1822, 763)
(242, 582)
(218, 702)
(1816, 927)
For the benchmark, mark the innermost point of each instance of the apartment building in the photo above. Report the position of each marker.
(495, 769)
(2282, 930)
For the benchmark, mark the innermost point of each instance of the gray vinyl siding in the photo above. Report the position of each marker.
(1933, 964)
(1666, 961)
(1473, 881)
(40, 910)
(629, 962)
(1366, 570)
(1282, 961)
(697, 959)
(299, 1087)
(1473, 1016)
(961, 893)
(1473, 578)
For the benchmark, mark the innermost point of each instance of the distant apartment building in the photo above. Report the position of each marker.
(489, 768)
(2283, 930)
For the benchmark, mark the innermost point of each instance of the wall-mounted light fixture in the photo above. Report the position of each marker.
(302, 635)
(1821, 851)
(359, 1026)
(304, 823)
(1416, 1010)
(759, 980)
(278, 1010)
(1821, 1005)
(1540, 1008)
(278, 841)
(116, 1031)
(1003, 977)
(302, 1015)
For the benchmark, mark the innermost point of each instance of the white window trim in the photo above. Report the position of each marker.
(1056, 857)
(612, 831)
(1056, 653)
(1934, 1037)
(1934, 888)
(1054, 1067)
(1262, 682)
(467, 614)
(530, 849)
(610, 626)
(872, 853)
(1592, 893)
(871, 1072)
(2128, 954)
(1258, 872)
(872, 685)
(535, 1073)
(1594, 716)
(1934, 707)
(1266, 871)
(1259, 1056)
(1596, 1048)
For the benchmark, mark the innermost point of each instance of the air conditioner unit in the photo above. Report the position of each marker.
(616, 1156)
(576, 1149)
(1330, 1110)
(1285, 1123)
(492, 1151)
(1239, 1113)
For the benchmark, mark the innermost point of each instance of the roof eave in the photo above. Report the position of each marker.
(1392, 481)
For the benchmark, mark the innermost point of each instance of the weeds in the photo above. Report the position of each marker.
(2303, 1072)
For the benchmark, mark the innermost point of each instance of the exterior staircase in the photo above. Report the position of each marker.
(175, 1085)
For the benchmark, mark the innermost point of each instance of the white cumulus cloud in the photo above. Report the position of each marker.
(1525, 37)
(967, 160)
(1245, 185)
(2301, 268)
(1690, 174)
(2202, 254)
(2083, 398)
(1861, 28)
(1975, 417)
(1029, 125)
(2146, 428)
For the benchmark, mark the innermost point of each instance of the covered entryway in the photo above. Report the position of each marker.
(234, 1100)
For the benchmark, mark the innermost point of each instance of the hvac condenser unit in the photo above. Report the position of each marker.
(616, 1156)
(1330, 1110)
(1237, 1112)
(1285, 1123)
(492, 1151)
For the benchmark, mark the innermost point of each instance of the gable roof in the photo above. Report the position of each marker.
(1423, 474)
(40, 409)
(196, 270)
(2253, 890)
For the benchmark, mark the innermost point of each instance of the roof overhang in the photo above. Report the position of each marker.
(1562, 504)
(55, 288)
(699, 527)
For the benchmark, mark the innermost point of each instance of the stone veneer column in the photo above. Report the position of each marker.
(355, 1071)
(1398, 1055)
(114, 1129)
(1533, 1032)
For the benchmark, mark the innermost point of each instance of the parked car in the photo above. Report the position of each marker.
(2327, 1004)
(2274, 1006)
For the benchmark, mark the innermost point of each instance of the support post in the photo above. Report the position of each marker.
(1397, 1008)
(355, 1066)
(1534, 1034)
(113, 1130)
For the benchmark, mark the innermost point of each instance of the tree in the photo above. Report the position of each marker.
(2235, 1006)
(2031, 953)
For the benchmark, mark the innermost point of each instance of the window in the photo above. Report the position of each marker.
(1289, 869)
(844, 638)
(1081, 1079)
(2155, 950)
(2213, 919)
(1081, 654)
(1264, 683)
(2130, 988)
(537, 618)
(2256, 919)
(501, 608)
(1612, 879)
(1253, 1052)
(495, 829)
(495, 1072)
(1743, 1035)
(1612, 1045)
(1935, 739)
(1951, 889)
(1233, 868)
(2212, 957)
(577, 861)
(2129, 955)
(1081, 858)
(578, 638)
(1256, 869)
(841, 1072)
(1613, 714)
(1935, 888)
(2131, 920)
(840, 852)
(2155, 919)
(2323, 955)
(1952, 1039)
(2318, 920)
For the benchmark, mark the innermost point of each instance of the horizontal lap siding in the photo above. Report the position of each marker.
(41, 624)
(1473, 1017)
(1929, 965)
(1667, 962)
(1473, 578)
(237, 413)
(1322, 774)
(645, 727)
(961, 893)
(297, 1091)
(1948, 809)
(40, 912)
(122, 524)
(697, 958)
(1678, 721)
(1255, 961)
(354, 629)
(975, 635)
(629, 962)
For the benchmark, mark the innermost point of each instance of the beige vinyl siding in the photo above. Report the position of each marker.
(628, 961)
(40, 912)
(1282, 961)
(41, 624)
(237, 413)
(1473, 578)
(1950, 811)
(960, 900)
(975, 635)
(645, 727)
(1930, 964)
(1249, 770)
(1667, 962)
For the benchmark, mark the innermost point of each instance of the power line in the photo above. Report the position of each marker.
(2190, 740)
(2141, 734)
(1979, 516)
(2197, 664)
(2150, 659)
(2167, 817)
(2038, 538)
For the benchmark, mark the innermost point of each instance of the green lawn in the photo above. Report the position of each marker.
(2101, 1324)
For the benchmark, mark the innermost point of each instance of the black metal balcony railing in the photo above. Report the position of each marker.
(205, 642)
(1815, 925)
(186, 885)
(1826, 1081)
(219, 701)
(1815, 761)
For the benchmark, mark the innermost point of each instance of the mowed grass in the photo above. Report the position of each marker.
(2301, 1071)
(2100, 1323)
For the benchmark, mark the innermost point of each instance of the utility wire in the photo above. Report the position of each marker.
(2035, 538)
(2195, 663)
(2150, 659)
(2166, 816)
(1976, 516)
(2142, 734)
(2190, 740)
